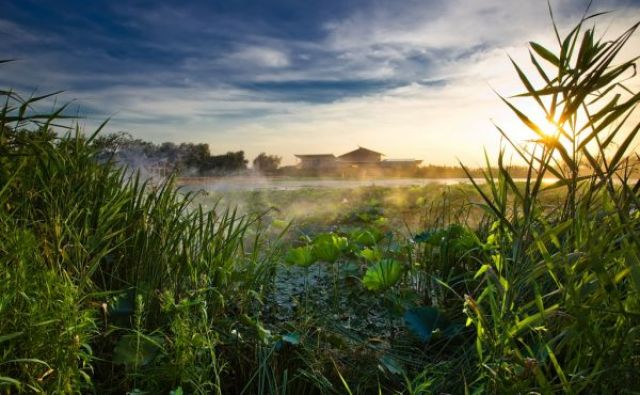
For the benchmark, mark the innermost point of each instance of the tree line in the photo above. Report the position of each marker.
(186, 159)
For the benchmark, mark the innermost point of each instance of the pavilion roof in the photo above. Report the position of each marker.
(360, 150)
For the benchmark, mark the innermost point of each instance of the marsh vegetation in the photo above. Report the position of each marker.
(113, 284)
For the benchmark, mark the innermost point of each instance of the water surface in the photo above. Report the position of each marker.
(250, 183)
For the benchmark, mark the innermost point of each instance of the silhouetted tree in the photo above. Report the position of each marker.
(186, 158)
(231, 161)
(266, 163)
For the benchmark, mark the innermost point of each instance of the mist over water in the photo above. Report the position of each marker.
(257, 183)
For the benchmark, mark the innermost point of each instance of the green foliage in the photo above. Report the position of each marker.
(136, 350)
(558, 301)
(382, 275)
(371, 254)
(328, 247)
(300, 256)
(454, 238)
(366, 237)
(45, 328)
(94, 261)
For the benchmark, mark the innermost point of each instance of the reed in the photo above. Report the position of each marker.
(109, 282)
(557, 305)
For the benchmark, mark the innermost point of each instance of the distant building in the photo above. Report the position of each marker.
(317, 161)
(361, 158)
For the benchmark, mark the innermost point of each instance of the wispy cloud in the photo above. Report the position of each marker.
(258, 57)
(411, 78)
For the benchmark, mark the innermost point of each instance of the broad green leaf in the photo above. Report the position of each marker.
(328, 247)
(422, 321)
(382, 275)
(137, 350)
(365, 237)
(371, 254)
(342, 243)
(300, 256)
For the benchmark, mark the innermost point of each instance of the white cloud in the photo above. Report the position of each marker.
(259, 56)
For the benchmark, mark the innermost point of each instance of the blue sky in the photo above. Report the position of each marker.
(408, 78)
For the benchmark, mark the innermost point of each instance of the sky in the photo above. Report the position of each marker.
(410, 79)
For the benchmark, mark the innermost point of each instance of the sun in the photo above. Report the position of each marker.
(542, 128)
(548, 128)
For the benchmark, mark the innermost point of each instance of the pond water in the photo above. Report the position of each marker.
(247, 183)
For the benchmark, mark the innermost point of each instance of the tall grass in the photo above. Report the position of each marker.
(558, 305)
(109, 283)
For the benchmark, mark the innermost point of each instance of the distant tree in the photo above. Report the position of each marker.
(111, 141)
(229, 162)
(109, 144)
(195, 156)
(266, 163)
(185, 158)
(170, 152)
